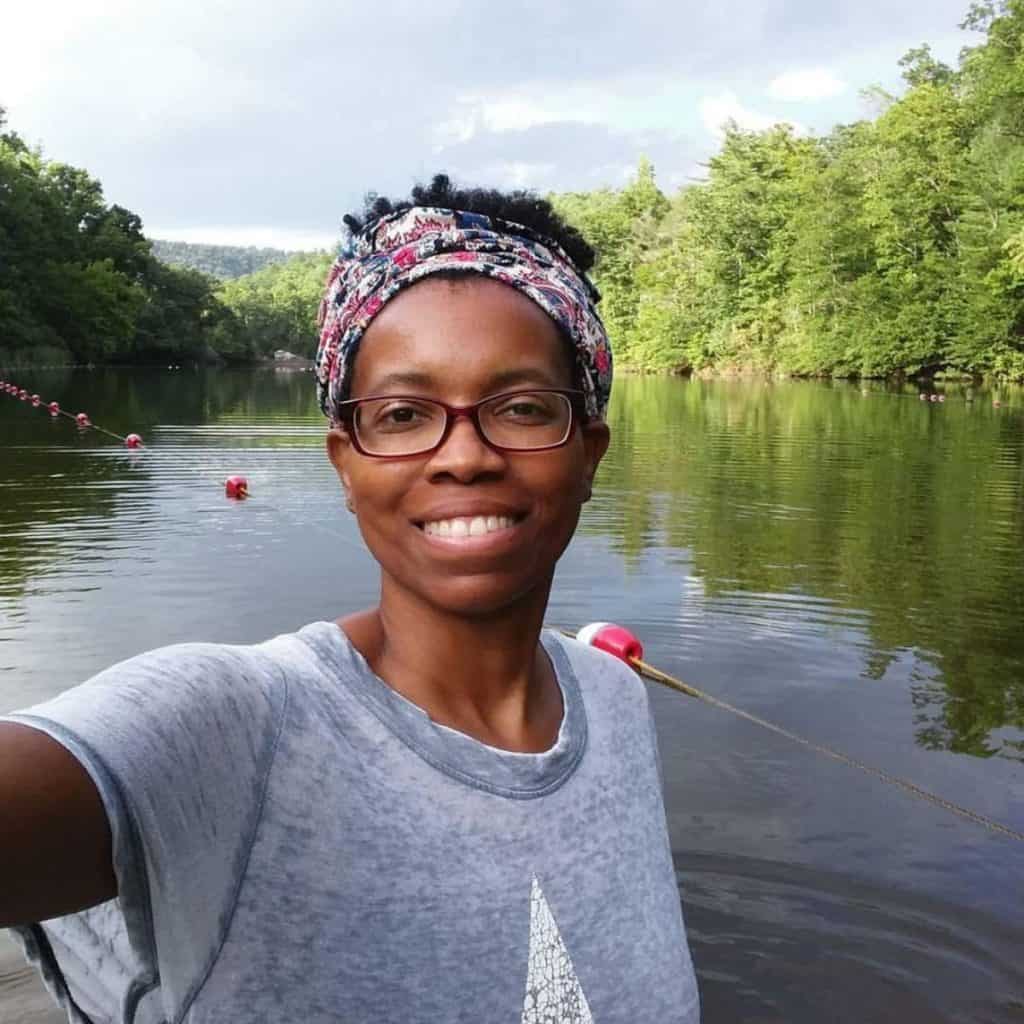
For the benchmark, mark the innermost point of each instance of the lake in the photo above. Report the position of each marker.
(846, 562)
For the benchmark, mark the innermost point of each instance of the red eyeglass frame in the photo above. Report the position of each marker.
(577, 414)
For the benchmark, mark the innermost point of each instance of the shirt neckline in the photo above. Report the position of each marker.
(505, 773)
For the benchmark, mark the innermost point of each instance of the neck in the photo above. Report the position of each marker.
(486, 676)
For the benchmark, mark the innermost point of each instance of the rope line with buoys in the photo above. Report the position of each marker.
(622, 644)
(236, 487)
(81, 419)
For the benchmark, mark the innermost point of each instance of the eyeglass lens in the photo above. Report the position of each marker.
(406, 426)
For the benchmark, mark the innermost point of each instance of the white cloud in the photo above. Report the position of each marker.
(523, 173)
(806, 84)
(715, 111)
(473, 114)
(228, 120)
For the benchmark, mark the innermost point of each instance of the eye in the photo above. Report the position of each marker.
(528, 408)
(396, 415)
(400, 414)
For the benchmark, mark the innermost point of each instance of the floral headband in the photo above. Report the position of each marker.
(397, 250)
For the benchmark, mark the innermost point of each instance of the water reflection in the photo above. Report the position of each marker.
(806, 509)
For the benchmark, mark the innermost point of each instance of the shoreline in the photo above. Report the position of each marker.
(735, 373)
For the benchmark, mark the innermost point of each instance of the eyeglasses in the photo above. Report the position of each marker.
(399, 426)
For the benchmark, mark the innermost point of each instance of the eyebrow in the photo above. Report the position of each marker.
(426, 382)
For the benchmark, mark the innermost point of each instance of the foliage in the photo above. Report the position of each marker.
(78, 280)
(890, 246)
(274, 308)
(221, 261)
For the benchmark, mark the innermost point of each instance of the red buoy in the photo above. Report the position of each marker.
(36, 401)
(612, 639)
(82, 420)
(23, 395)
(54, 408)
(133, 441)
(236, 487)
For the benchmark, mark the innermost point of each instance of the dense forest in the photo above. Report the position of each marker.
(274, 308)
(890, 246)
(80, 282)
(221, 261)
(78, 279)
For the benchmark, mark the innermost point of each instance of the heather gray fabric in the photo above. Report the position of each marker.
(296, 842)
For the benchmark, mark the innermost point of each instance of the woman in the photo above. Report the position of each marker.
(436, 812)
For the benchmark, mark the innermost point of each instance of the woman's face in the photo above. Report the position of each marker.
(458, 342)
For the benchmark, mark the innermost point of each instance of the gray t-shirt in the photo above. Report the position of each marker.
(294, 841)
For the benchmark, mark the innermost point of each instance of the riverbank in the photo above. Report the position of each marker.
(725, 372)
(292, 363)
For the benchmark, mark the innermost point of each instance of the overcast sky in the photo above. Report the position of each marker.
(262, 123)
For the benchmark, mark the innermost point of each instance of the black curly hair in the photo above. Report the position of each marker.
(519, 206)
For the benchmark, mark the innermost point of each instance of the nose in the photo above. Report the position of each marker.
(464, 455)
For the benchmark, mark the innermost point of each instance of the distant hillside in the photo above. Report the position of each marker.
(223, 261)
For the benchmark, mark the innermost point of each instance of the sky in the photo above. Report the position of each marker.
(263, 123)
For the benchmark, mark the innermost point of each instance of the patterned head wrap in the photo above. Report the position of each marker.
(397, 250)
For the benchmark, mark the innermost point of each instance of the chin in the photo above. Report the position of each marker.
(481, 597)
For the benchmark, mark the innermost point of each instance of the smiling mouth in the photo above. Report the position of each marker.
(468, 526)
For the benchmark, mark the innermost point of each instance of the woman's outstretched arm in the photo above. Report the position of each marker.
(55, 847)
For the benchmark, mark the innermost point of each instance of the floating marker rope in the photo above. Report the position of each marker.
(123, 438)
(235, 486)
(592, 635)
(81, 420)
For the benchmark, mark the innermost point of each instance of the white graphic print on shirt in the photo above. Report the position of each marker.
(553, 993)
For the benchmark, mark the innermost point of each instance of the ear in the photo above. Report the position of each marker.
(596, 437)
(339, 451)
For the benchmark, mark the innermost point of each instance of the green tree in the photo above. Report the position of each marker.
(274, 308)
(78, 281)
(622, 226)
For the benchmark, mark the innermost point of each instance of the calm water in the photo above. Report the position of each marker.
(847, 564)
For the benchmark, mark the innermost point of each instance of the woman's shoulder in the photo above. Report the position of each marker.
(601, 676)
(198, 663)
(189, 680)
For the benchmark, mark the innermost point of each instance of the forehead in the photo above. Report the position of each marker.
(461, 336)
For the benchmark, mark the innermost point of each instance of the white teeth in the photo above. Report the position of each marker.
(477, 526)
